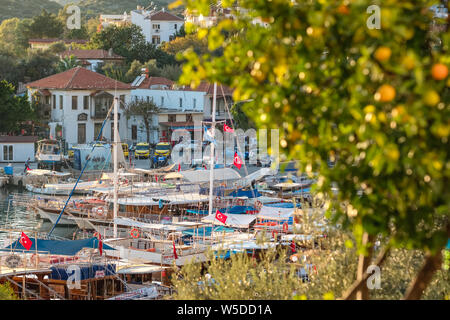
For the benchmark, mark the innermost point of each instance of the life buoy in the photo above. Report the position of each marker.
(100, 211)
(285, 227)
(134, 233)
(258, 205)
(266, 224)
(274, 234)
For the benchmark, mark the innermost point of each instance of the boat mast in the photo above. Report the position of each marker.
(115, 146)
(211, 169)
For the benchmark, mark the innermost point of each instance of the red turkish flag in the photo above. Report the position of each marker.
(237, 161)
(174, 250)
(293, 247)
(100, 243)
(221, 217)
(25, 241)
(179, 167)
(227, 128)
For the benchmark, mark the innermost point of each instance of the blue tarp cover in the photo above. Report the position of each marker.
(237, 209)
(282, 205)
(63, 247)
(206, 230)
(86, 271)
(249, 193)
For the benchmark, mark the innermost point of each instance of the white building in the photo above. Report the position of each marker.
(180, 107)
(157, 26)
(76, 102)
(17, 148)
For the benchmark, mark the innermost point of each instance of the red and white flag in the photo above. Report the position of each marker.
(237, 161)
(227, 128)
(221, 217)
(179, 167)
(25, 241)
(100, 243)
(174, 251)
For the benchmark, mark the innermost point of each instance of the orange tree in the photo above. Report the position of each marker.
(373, 100)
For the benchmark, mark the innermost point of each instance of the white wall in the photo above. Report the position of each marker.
(68, 118)
(21, 151)
(172, 98)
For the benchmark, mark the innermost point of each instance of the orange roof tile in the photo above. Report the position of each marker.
(78, 78)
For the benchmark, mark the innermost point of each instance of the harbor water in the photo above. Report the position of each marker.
(14, 215)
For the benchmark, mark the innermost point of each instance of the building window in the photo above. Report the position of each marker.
(162, 101)
(133, 132)
(97, 128)
(189, 118)
(81, 133)
(175, 26)
(54, 101)
(195, 103)
(74, 102)
(181, 102)
(61, 106)
(172, 118)
(122, 99)
(7, 153)
(148, 99)
(156, 40)
(156, 27)
(86, 102)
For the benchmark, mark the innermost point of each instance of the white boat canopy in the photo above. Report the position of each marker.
(275, 213)
(233, 220)
(202, 176)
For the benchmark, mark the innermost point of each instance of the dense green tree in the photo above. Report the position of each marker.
(14, 109)
(372, 100)
(45, 25)
(180, 44)
(129, 42)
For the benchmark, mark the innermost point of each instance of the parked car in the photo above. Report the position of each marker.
(142, 150)
(125, 150)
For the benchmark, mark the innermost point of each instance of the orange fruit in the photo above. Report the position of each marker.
(343, 9)
(385, 93)
(439, 71)
(382, 54)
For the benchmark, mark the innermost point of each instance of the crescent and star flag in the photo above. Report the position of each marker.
(227, 128)
(174, 250)
(293, 247)
(237, 161)
(25, 241)
(179, 167)
(221, 217)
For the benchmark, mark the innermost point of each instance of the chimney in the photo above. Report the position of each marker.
(144, 72)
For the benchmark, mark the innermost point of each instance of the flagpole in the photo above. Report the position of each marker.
(115, 146)
(213, 130)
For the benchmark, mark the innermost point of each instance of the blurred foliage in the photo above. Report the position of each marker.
(311, 70)
(7, 292)
(330, 263)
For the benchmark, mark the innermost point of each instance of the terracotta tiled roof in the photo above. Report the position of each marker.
(18, 139)
(51, 40)
(76, 79)
(152, 81)
(97, 54)
(209, 89)
(164, 16)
